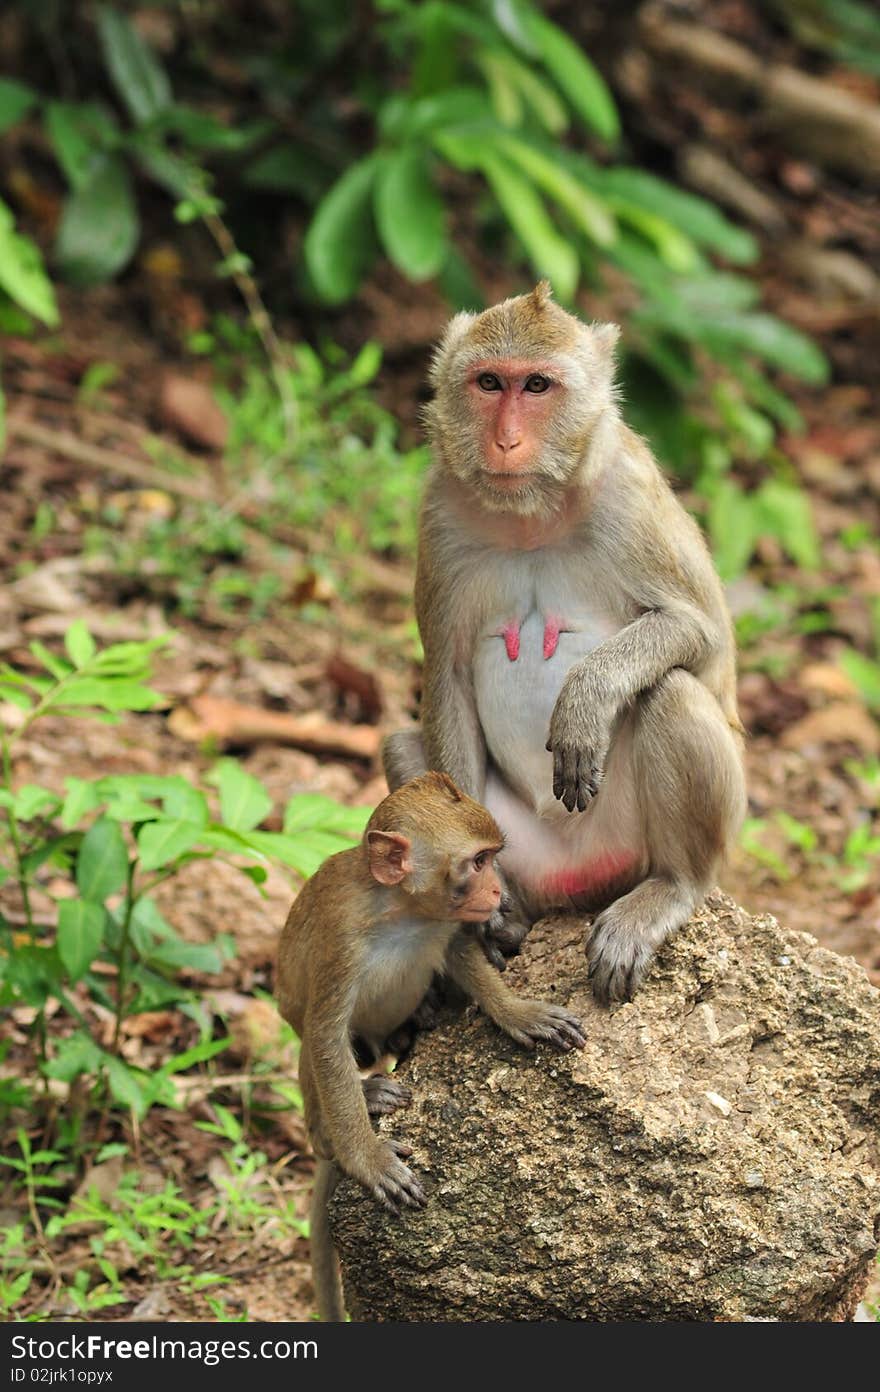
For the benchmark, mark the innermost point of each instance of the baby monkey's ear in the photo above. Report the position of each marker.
(389, 853)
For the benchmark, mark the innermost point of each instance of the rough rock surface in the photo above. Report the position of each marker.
(713, 1154)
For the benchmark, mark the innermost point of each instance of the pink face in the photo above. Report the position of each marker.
(513, 400)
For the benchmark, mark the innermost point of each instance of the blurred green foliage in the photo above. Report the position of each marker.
(440, 135)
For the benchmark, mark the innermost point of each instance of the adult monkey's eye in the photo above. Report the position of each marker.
(537, 383)
(487, 381)
(480, 860)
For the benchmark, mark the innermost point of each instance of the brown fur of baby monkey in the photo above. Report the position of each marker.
(579, 670)
(361, 944)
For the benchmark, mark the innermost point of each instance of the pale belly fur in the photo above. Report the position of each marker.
(520, 663)
(401, 960)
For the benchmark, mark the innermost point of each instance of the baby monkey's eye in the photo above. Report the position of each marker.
(480, 860)
(487, 381)
(537, 383)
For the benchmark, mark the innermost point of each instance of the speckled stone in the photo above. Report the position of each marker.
(713, 1153)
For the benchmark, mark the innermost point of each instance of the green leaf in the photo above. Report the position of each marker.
(16, 101)
(199, 1053)
(32, 801)
(699, 219)
(536, 93)
(785, 512)
(99, 226)
(181, 800)
(80, 933)
(75, 1055)
(78, 132)
(102, 863)
(80, 644)
(504, 94)
(589, 212)
(864, 674)
(303, 852)
(127, 1085)
(161, 842)
(244, 802)
(339, 244)
(409, 214)
(317, 810)
(733, 529)
(771, 339)
(579, 79)
(186, 956)
(549, 254)
(138, 77)
(21, 272)
(56, 665)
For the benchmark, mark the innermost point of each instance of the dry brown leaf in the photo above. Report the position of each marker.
(845, 722)
(188, 406)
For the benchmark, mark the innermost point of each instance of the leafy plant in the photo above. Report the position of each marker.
(116, 838)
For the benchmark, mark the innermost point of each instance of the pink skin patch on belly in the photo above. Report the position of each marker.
(510, 634)
(589, 879)
(552, 629)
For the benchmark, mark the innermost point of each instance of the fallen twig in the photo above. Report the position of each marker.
(229, 722)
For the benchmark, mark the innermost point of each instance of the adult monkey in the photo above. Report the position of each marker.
(579, 674)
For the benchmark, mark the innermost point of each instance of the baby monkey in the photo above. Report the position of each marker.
(361, 943)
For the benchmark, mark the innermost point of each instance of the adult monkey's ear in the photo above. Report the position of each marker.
(605, 337)
(389, 854)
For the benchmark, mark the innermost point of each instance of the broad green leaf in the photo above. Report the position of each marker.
(733, 529)
(536, 93)
(80, 933)
(56, 665)
(303, 852)
(75, 1055)
(409, 214)
(549, 253)
(99, 226)
(186, 956)
(21, 272)
(699, 219)
(339, 244)
(774, 341)
(287, 169)
(138, 76)
(127, 1085)
(16, 101)
(454, 106)
(504, 94)
(585, 209)
(78, 132)
(180, 799)
(579, 79)
(244, 802)
(111, 694)
(307, 810)
(220, 838)
(102, 863)
(80, 644)
(512, 18)
(675, 249)
(199, 1053)
(32, 801)
(161, 842)
(864, 673)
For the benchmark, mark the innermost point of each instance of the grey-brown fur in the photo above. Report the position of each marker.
(654, 703)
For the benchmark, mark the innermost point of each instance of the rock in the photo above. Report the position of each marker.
(712, 1154)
